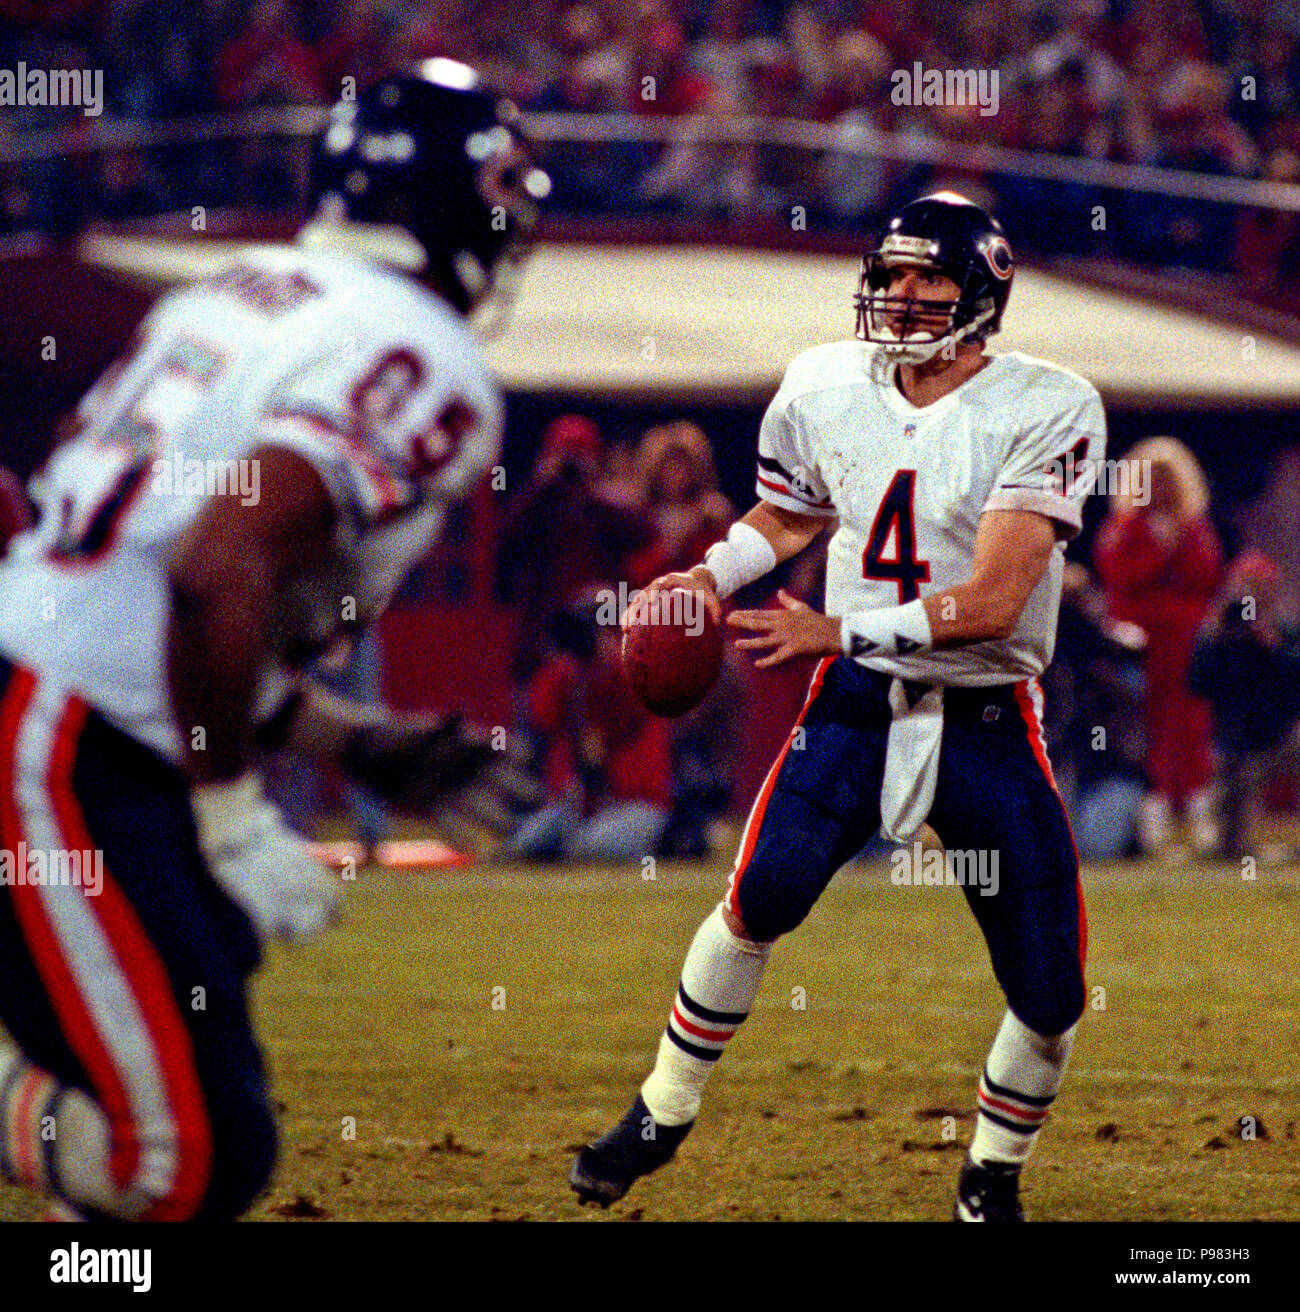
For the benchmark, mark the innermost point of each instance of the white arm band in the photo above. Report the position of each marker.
(745, 555)
(889, 631)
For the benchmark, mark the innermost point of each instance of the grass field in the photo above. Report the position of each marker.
(469, 1110)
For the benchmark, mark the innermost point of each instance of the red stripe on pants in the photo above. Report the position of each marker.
(750, 838)
(1035, 732)
(146, 976)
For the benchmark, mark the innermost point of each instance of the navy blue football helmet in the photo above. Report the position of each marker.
(954, 236)
(434, 153)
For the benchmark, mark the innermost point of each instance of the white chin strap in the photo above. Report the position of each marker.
(915, 350)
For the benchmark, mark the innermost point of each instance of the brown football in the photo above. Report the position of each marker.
(672, 651)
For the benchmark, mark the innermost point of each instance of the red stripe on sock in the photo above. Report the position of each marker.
(1037, 1115)
(715, 1036)
(24, 1149)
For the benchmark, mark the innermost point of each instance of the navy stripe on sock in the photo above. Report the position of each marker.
(1019, 1097)
(704, 1013)
(1008, 1125)
(774, 467)
(702, 1053)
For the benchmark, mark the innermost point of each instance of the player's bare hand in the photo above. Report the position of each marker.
(794, 630)
(699, 581)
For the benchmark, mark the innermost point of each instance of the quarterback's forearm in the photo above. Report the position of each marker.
(745, 557)
(788, 531)
(955, 617)
(1012, 550)
(971, 612)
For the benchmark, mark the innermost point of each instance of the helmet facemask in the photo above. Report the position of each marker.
(512, 186)
(927, 327)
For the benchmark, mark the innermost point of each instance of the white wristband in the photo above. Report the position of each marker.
(889, 631)
(744, 556)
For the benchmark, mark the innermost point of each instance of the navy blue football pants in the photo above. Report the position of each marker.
(820, 804)
(137, 993)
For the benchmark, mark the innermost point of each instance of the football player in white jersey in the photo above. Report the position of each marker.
(955, 478)
(253, 479)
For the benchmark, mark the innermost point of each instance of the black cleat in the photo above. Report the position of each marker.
(604, 1171)
(988, 1191)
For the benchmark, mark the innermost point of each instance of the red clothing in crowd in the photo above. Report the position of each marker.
(267, 66)
(571, 700)
(1165, 587)
(13, 509)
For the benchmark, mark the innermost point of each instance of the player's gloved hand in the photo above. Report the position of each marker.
(445, 768)
(261, 863)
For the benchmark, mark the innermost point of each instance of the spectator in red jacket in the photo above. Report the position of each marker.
(14, 516)
(605, 758)
(1159, 560)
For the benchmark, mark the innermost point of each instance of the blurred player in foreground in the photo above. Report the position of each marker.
(956, 477)
(152, 624)
(13, 509)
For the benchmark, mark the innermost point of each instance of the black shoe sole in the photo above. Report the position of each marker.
(592, 1189)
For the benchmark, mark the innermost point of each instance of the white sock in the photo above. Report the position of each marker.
(1020, 1081)
(55, 1139)
(719, 983)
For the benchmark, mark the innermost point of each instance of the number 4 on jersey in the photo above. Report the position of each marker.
(896, 519)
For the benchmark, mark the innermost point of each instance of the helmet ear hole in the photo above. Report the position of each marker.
(875, 273)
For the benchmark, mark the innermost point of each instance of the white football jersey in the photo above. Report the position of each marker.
(369, 377)
(909, 485)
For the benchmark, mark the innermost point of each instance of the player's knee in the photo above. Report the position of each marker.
(764, 917)
(1053, 1013)
(736, 925)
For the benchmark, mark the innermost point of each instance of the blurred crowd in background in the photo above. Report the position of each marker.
(1172, 703)
(1208, 86)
